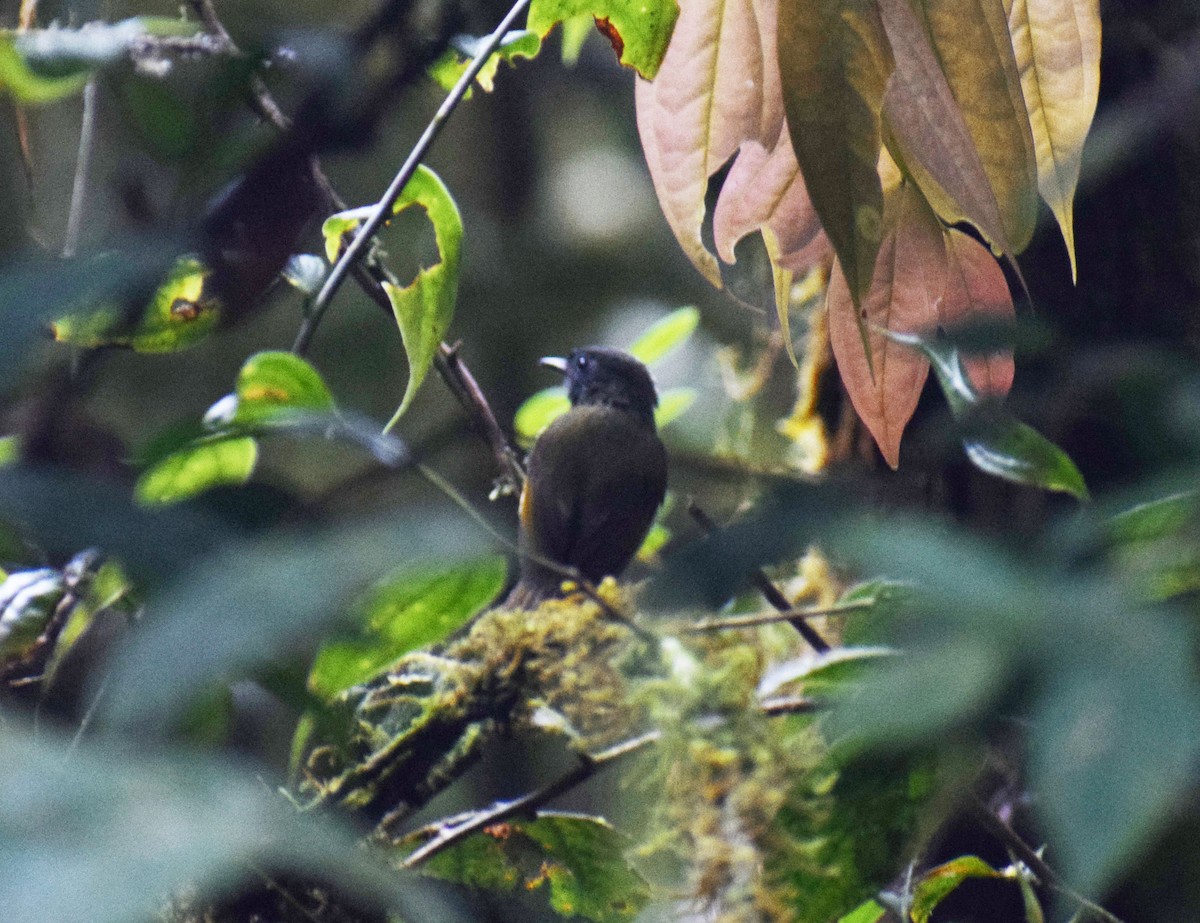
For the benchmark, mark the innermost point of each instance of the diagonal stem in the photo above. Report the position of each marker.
(383, 208)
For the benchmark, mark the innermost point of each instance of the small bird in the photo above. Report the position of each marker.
(596, 476)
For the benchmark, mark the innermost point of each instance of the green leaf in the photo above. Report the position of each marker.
(581, 858)
(829, 670)
(272, 385)
(10, 450)
(44, 65)
(27, 600)
(239, 607)
(639, 31)
(666, 336)
(196, 468)
(1114, 736)
(1155, 519)
(449, 68)
(403, 612)
(575, 32)
(870, 912)
(834, 60)
(1014, 451)
(178, 316)
(673, 404)
(995, 441)
(337, 226)
(425, 307)
(936, 884)
(538, 411)
(132, 828)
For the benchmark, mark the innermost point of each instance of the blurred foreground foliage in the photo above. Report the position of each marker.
(229, 694)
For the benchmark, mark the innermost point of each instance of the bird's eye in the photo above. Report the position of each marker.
(581, 362)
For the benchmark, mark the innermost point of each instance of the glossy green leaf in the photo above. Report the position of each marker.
(402, 613)
(196, 468)
(1017, 452)
(666, 336)
(179, 315)
(579, 858)
(937, 884)
(995, 441)
(538, 411)
(449, 68)
(27, 600)
(829, 670)
(639, 31)
(834, 59)
(425, 307)
(130, 829)
(870, 912)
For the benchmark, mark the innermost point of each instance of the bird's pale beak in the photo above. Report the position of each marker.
(557, 363)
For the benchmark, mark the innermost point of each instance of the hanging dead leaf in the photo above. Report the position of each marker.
(976, 289)
(908, 282)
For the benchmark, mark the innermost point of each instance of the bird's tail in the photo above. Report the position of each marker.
(531, 591)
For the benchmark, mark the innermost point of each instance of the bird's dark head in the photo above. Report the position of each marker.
(599, 375)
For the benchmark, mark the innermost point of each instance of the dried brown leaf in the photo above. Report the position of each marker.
(717, 88)
(908, 282)
(976, 289)
(926, 130)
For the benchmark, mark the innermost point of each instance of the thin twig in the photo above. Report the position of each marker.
(771, 618)
(260, 97)
(473, 400)
(366, 233)
(589, 764)
(83, 166)
(1036, 864)
(765, 586)
(789, 705)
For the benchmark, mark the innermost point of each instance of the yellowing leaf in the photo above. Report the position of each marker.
(976, 288)
(972, 43)
(718, 87)
(447, 69)
(924, 128)
(766, 190)
(179, 315)
(834, 61)
(639, 30)
(425, 307)
(910, 276)
(1057, 46)
(196, 468)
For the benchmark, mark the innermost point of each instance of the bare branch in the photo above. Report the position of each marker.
(364, 237)
(764, 585)
(456, 829)
(473, 400)
(770, 618)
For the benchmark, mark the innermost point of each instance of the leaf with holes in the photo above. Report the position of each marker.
(718, 88)
(639, 31)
